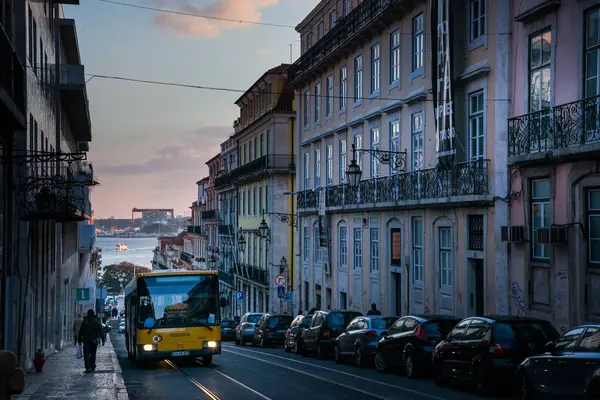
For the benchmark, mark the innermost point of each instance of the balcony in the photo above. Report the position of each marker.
(226, 278)
(12, 85)
(566, 132)
(222, 181)
(188, 258)
(210, 215)
(256, 274)
(196, 230)
(368, 16)
(465, 183)
(267, 164)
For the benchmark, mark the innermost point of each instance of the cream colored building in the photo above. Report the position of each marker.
(417, 240)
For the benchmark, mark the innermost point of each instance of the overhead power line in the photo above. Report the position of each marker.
(233, 90)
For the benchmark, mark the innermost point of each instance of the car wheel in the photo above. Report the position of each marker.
(409, 366)
(439, 376)
(526, 392)
(358, 357)
(336, 355)
(380, 363)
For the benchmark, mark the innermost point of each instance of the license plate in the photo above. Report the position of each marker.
(180, 353)
(281, 331)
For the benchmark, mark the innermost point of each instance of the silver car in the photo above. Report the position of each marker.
(245, 330)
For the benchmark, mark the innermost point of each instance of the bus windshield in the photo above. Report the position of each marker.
(179, 300)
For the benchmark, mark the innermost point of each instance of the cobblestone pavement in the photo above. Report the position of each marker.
(64, 378)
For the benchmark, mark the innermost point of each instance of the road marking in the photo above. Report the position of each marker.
(311, 375)
(339, 372)
(200, 386)
(242, 385)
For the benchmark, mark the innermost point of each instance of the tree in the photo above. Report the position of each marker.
(117, 276)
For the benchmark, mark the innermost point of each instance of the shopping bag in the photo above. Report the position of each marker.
(79, 353)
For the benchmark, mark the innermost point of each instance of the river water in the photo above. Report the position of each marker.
(140, 250)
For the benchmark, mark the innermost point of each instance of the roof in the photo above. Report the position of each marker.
(201, 181)
(311, 15)
(213, 159)
(278, 70)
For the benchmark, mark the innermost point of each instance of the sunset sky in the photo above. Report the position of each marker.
(151, 142)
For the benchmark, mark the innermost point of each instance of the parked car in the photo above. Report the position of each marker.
(244, 332)
(410, 342)
(122, 326)
(324, 327)
(293, 336)
(569, 368)
(486, 351)
(270, 329)
(228, 329)
(359, 339)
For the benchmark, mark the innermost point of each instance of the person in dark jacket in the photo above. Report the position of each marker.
(90, 334)
(12, 378)
(373, 310)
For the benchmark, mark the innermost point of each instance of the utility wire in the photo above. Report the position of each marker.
(233, 90)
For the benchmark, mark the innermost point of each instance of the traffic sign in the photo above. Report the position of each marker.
(83, 294)
(239, 296)
(288, 296)
(280, 292)
(280, 280)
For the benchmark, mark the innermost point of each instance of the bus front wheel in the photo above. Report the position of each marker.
(207, 360)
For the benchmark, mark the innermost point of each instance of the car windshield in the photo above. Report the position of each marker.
(439, 328)
(524, 331)
(279, 322)
(253, 318)
(180, 300)
(340, 320)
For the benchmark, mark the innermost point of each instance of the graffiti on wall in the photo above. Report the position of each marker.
(518, 298)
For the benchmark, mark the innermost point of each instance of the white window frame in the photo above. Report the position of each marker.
(418, 41)
(417, 121)
(343, 256)
(345, 7)
(329, 154)
(306, 170)
(477, 16)
(593, 218)
(306, 250)
(317, 244)
(358, 256)
(329, 107)
(542, 204)
(476, 125)
(343, 87)
(317, 155)
(343, 160)
(306, 108)
(417, 239)
(358, 79)
(395, 69)
(320, 30)
(375, 145)
(375, 68)
(445, 256)
(592, 82)
(395, 139)
(317, 102)
(374, 237)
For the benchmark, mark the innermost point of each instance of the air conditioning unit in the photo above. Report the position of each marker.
(327, 268)
(513, 233)
(553, 235)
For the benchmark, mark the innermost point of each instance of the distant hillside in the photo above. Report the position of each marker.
(159, 229)
(114, 223)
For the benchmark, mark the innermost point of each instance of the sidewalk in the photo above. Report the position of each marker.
(64, 378)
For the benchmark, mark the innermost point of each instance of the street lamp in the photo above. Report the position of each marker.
(263, 229)
(283, 262)
(242, 241)
(395, 159)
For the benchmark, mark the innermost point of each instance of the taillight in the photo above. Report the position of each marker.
(495, 350)
(325, 333)
(267, 331)
(245, 326)
(421, 334)
(371, 334)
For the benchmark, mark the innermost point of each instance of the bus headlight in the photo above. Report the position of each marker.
(149, 347)
(211, 344)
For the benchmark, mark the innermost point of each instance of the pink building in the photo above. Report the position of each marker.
(553, 154)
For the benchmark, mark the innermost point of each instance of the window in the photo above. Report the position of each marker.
(269, 94)
(343, 87)
(375, 145)
(417, 42)
(590, 340)
(260, 200)
(262, 141)
(267, 197)
(358, 79)
(320, 30)
(417, 235)
(374, 250)
(417, 141)
(329, 151)
(317, 102)
(358, 140)
(375, 68)
(250, 158)
(244, 203)
(345, 7)
(308, 40)
(254, 247)
(476, 126)
(317, 240)
(594, 226)
(445, 255)
(357, 248)
(317, 168)
(306, 108)
(592, 53)
(306, 244)
(394, 140)
(568, 340)
(343, 160)
(343, 246)
(332, 19)
(306, 171)
(540, 71)
(540, 216)
(329, 108)
(477, 19)
(395, 56)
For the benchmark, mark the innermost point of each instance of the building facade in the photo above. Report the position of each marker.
(197, 229)
(417, 233)
(48, 273)
(211, 216)
(553, 147)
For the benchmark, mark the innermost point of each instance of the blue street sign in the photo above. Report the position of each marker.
(288, 296)
(239, 296)
(280, 292)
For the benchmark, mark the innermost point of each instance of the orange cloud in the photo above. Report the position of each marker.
(236, 10)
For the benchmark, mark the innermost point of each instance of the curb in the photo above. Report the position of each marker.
(118, 374)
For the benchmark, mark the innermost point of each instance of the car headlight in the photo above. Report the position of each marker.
(149, 347)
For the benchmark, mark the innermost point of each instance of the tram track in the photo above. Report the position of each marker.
(211, 395)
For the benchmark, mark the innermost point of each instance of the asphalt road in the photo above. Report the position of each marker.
(271, 374)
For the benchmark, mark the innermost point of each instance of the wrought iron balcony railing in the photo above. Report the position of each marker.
(465, 179)
(571, 124)
(266, 163)
(343, 32)
(210, 215)
(196, 229)
(222, 180)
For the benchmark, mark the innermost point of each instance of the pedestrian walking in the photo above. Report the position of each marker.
(90, 334)
(373, 310)
(12, 378)
(76, 325)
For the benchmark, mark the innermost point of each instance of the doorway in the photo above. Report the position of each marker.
(396, 289)
(475, 296)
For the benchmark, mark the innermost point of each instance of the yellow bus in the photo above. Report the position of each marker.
(173, 315)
